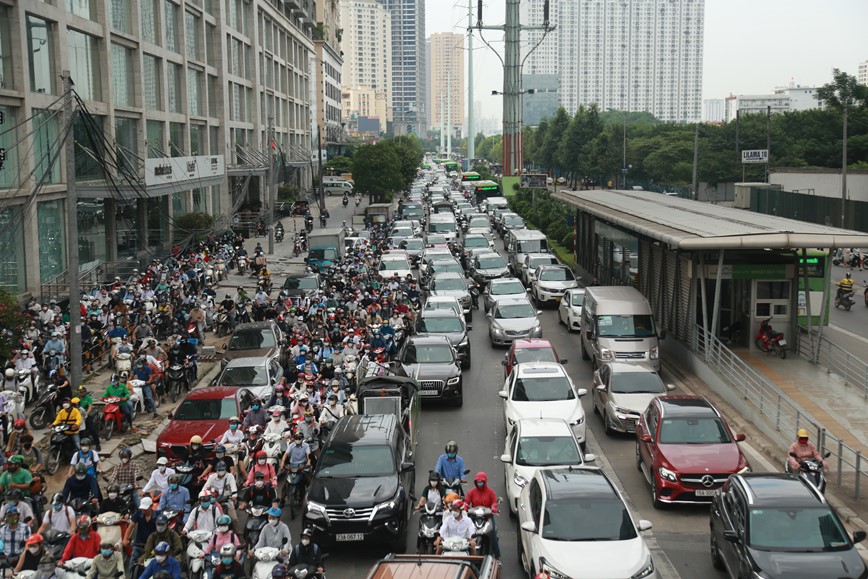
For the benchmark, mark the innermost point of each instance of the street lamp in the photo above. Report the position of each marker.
(624, 167)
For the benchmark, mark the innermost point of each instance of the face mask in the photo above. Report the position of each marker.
(107, 552)
(298, 442)
(433, 483)
(273, 522)
(161, 528)
(456, 514)
(261, 461)
(160, 558)
(220, 454)
(333, 403)
(85, 449)
(275, 418)
(27, 446)
(194, 447)
(308, 418)
(162, 469)
(113, 496)
(80, 476)
(305, 542)
(255, 407)
(173, 486)
(56, 507)
(233, 427)
(450, 455)
(205, 505)
(33, 550)
(66, 406)
(259, 484)
(223, 528)
(227, 560)
(125, 460)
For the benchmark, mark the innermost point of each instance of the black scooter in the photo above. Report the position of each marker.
(813, 470)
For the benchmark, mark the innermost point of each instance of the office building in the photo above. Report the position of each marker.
(364, 103)
(329, 62)
(862, 73)
(367, 46)
(447, 82)
(634, 55)
(782, 100)
(713, 111)
(177, 95)
(409, 90)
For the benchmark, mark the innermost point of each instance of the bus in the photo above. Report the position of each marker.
(470, 176)
(485, 189)
(451, 166)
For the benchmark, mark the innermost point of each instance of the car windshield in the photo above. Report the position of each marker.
(637, 383)
(578, 298)
(473, 242)
(710, 430)
(514, 312)
(402, 232)
(449, 283)
(533, 246)
(587, 520)
(244, 376)
(523, 355)
(305, 283)
(542, 389)
(547, 451)
(507, 288)
(442, 227)
(321, 254)
(413, 244)
(439, 325)
(478, 222)
(513, 221)
(799, 530)
(205, 409)
(437, 240)
(535, 262)
(556, 274)
(428, 354)
(626, 326)
(345, 461)
(491, 262)
(446, 266)
(252, 340)
(394, 263)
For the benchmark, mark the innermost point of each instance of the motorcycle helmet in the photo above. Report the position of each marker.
(278, 571)
(113, 488)
(80, 468)
(83, 522)
(126, 453)
(57, 499)
(162, 547)
(451, 447)
(9, 373)
(847, 275)
(220, 448)
(220, 466)
(258, 474)
(196, 439)
(125, 376)
(802, 433)
(224, 520)
(227, 550)
(19, 423)
(261, 454)
(175, 479)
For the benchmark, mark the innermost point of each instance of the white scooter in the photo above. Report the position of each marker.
(196, 550)
(12, 404)
(137, 398)
(274, 447)
(456, 547)
(28, 384)
(266, 560)
(109, 527)
(75, 568)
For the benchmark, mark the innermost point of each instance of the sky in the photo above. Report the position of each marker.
(751, 46)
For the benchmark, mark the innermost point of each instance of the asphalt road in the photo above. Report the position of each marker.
(856, 320)
(679, 536)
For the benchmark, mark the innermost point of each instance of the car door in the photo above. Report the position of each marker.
(509, 467)
(507, 402)
(602, 377)
(734, 513)
(646, 439)
(531, 512)
(564, 307)
(510, 360)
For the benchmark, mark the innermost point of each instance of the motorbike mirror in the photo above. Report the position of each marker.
(225, 346)
(466, 471)
(528, 526)
(827, 454)
(740, 437)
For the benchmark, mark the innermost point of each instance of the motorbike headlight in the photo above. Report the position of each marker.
(667, 474)
(646, 570)
(453, 381)
(654, 353)
(605, 354)
(429, 532)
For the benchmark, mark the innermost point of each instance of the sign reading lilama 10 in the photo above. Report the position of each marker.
(755, 156)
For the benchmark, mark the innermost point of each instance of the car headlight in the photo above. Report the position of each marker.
(551, 571)
(654, 353)
(759, 575)
(620, 410)
(744, 470)
(520, 481)
(646, 569)
(453, 381)
(536, 328)
(317, 508)
(605, 354)
(388, 506)
(667, 474)
(464, 344)
(496, 329)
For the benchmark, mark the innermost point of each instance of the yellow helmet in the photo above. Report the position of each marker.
(802, 433)
(196, 439)
(76, 401)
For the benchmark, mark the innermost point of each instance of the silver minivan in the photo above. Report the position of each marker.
(618, 326)
(337, 188)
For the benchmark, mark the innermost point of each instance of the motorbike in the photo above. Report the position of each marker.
(46, 408)
(242, 264)
(12, 405)
(769, 340)
(454, 485)
(812, 469)
(274, 446)
(296, 248)
(113, 419)
(845, 299)
(75, 568)
(222, 326)
(322, 221)
(257, 517)
(111, 527)
(456, 547)
(266, 559)
(53, 363)
(278, 234)
(358, 201)
(123, 362)
(60, 448)
(176, 379)
(196, 550)
(54, 542)
(430, 520)
(294, 488)
(176, 518)
(838, 257)
(308, 223)
(346, 201)
(484, 524)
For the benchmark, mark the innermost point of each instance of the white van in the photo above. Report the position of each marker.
(618, 326)
(337, 188)
(443, 224)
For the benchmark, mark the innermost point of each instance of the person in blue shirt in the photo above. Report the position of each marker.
(162, 561)
(144, 373)
(118, 331)
(450, 465)
(177, 498)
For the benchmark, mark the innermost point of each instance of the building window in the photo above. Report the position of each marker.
(6, 78)
(194, 92)
(45, 143)
(84, 64)
(8, 137)
(88, 151)
(158, 221)
(120, 15)
(83, 8)
(176, 140)
(149, 20)
(214, 141)
(179, 204)
(156, 141)
(191, 25)
(52, 243)
(215, 200)
(199, 203)
(12, 266)
(122, 74)
(91, 233)
(212, 96)
(127, 143)
(40, 39)
(197, 144)
(153, 83)
(210, 46)
(174, 80)
(172, 24)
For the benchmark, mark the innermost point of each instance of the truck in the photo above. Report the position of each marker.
(378, 213)
(395, 566)
(325, 247)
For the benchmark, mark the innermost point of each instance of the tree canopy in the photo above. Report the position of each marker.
(386, 167)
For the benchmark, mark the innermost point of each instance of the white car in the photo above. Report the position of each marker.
(533, 444)
(543, 390)
(444, 303)
(503, 288)
(622, 392)
(570, 308)
(393, 264)
(550, 283)
(573, 522)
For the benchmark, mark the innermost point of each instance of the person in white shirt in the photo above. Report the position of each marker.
(59, 517)
(25, 360)
(234, 435)
(159, 477)
(225, 486)
(457, 525)
(331, 412)
(277, 424)
(204, 515)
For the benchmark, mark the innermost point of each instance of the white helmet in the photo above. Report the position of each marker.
(9, 373)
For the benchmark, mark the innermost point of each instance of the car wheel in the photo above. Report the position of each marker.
(584, 353)
(465, 365)
(638, 459)
(607, 424)
(716, 560)
(594, 407)
(519, 549)
(459, 402)
(655, 498)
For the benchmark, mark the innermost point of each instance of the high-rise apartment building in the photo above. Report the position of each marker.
(862, 73)
(447, 81)
(367, 46)
(713, 111)
(635, 55)
(409, 92)
(327, 47)
(178, 94)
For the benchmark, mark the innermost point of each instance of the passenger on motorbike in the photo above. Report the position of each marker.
(224, 535)
(108, 564)
(177, 498)
(433, 491)
(277, 425)
(279, 398)
(162, 563)
(220, 456)
(450, 465)
(70, 417)
(34, 550)
(84, 542)
(87, 457)
(262, 465)
(458, 525)
(275, 534)
(307, 553)
(59, 517)
(16, 476)
(204, 515)
(31, 454)
(229, 567)
(120, 390)
(804, 450)
(481, 495)
(259, 494)
(113, 503)
(331, 412)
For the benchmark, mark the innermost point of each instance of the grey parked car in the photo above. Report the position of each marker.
(446, 323)
(434, 363)
(452, 284)
(512, 319)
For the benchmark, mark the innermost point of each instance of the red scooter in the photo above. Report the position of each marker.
(769, 340)
(113, 419)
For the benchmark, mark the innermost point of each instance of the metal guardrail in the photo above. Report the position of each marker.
(778, 410)
(851, 368)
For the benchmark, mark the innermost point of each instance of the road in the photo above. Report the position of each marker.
(679, 534)
(856, 320)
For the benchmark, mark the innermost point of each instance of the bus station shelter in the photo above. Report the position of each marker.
(708, 267)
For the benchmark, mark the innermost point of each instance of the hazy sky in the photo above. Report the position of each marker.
(751, 46)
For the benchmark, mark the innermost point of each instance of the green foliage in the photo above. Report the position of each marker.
(13, 321)
(338, 165)
(197, 225)
(377, 169)
(409, 151)
(490, 149)
(287, 193)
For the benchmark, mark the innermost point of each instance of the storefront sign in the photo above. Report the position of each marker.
(174, 170)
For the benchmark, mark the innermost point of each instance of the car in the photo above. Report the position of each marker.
(413, 246)
(429, 254)
(529, 350)
(511, 319)
(452, 284)
(446, 323)
(448, 303)
(445, 265)
(478, 225)
(550, 282)
(402, 232)
(393, 264)
(686, 450)
(527, 270)
(434, 364)
(503, 288)
(437, 241)
(486, 267)
(573, 522)
(256, 340)
(543, 390)
(570, 309)
(779, 526)
(511, 223)
(473, 241)
(204, 412)
(362, 486)
(536, 443)
(300, 286)
(258, 375)
(622, 392)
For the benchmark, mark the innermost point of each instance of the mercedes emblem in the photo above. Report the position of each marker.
(707, 481)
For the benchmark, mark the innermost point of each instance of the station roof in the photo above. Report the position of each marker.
(691, 225)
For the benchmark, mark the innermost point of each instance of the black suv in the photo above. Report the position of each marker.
(433, 362)
(361, 488)
(780, 525)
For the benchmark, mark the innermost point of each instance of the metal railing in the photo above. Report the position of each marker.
(778, 410)
(851, 368)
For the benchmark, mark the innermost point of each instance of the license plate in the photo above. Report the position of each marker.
(704, 493)
(782, 342)
(429, 392)
(349, 537)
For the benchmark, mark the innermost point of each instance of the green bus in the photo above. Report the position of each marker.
(470, 176)
(485, 189)
(451, 166)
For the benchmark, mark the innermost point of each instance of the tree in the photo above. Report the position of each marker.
(377, 170)
(12, 324)
(409, 151)
(556, 131)
(338, 165)
(195, 225)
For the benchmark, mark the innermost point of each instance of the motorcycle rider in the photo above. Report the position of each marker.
(127, 473)
(29, 561)
(229, 567)
(119, 390)
(804, 450)
(84, 542)
(223, 486)
(163, 534)
(433, 491)
(262, 465)
(259, 494)
(144, 524)
(142, 371)
(59, 517)
(90, 418)
(13, 534)
(177, 498)
(113, 503)
(845, 286)
(331, 413)
(457, 525)
(223, 536)
(297, 453)
(449, 464)
(277, 425)
(279, 398)
(220, 456)
(204, 515)
(234, 435)
(275, 534)
(228, 306)
(87, 457)
(16, 476)
(481, 495)
(159, 480)
(108, 564)
(308, 429)
(31, 454)
(163, 563)
(255, 416)
(70, 417)
(307, 553)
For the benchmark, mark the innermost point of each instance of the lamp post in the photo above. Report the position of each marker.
(624, 167)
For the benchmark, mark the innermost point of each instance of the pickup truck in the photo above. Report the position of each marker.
(435, 567)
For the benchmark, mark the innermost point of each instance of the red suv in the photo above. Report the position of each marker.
(206, 412)
(686, 450)
(529, 350)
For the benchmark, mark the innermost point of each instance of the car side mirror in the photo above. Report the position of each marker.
(563, 361)
(528, 526)
(581, 392)
(489, 315)
(646, 437)
(505, 458)
(527, 289)
(407, 467)
(502, 394)
(225, 346)
(589, 457)
(858, 536)
(171, 415)
(539, 312)
(503, 363)
(730, 535)
(670, 386)
(740, 437)
(601, 388)
(214, 382)
(469, 327)
(644, 525)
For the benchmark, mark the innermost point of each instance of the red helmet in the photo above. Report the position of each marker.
(261, 454)
(19, 423)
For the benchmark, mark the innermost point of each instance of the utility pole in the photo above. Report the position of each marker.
(319, 153)
(471, 133)
(695, 184)
(271, 196)
(72, 238)
(843, 178)
(768, 142)
(449, 113)
(513, 153)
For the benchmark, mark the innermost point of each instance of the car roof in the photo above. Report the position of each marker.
(364, 429)
(530, 369)
(441, 299)
(780, 490)
(302, 275)
(686, 405)
(553, 266)
(582, 482)
(436, 313)
(512, 302)
(625, 368)
(502, 280)
(526, 343)
(248, 361)
(255, 326)
(488, 254)
(543, 427)
(429, 340)
(212, 393)
(448, 275)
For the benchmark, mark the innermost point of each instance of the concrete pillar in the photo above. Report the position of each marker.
(32, 279)
(142, 223)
